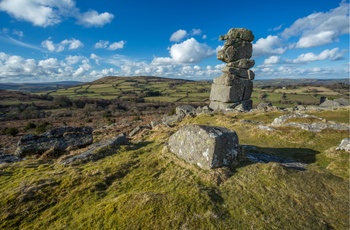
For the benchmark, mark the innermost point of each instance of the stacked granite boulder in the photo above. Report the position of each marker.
(233, 89)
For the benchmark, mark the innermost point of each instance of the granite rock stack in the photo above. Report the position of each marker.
(233, 89)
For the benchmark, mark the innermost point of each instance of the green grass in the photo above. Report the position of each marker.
(339, 115)
(144, 186)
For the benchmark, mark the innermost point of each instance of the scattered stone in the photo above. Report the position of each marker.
(313, 127)
(330, 104)
(313, 107)
(282, 119)
(138, 129)
(344, 145)
(288, 109)
(171, 120)
(153, 124)
(95, 151)
(135, 131)
(301, 108)
(58, 138)
(185, 110)
(203, 110)
(8, 158)
(206, 146)
(244, 106)
(181, 112)
(234, 88)
(265, 106)
(318, 126)
(266, 128)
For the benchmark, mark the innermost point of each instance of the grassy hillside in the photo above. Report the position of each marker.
(144, 186)
(151, 89)
(156, 89)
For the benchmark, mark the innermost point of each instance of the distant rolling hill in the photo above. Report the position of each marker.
(52, 86)
(304, 82)
(38, 87)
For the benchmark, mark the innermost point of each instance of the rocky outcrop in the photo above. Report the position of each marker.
(95, 151)
(330, 104)
(234, 88)
(58, 139)
(284, 118)
(181, 112)
(334, 103)
(206, 146)
(317, 126)
(185, 110)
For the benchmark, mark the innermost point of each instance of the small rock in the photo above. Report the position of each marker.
(171, 120)
(266, 128)
(301, 108)
(135, 131)
(185, 110)
(344, 145)
(264, 106)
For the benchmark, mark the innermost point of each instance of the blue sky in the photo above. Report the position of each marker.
(83, 40)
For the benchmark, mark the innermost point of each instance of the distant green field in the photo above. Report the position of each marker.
(172, 90)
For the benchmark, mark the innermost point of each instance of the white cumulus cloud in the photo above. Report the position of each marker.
(101, 44)
(72, 44)
(96, 58)
(71, 60)
(45, 13)
(178, 35)
(189, 51)
(320, 28)
(110, 46)
(321, 38)
(272, 60)
(117, 45)
(93, 19)
(268, 46)
(181, 34)
(327, 54)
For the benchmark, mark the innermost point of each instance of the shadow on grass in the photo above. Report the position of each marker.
(296, 158)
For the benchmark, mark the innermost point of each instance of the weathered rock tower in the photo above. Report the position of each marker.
(233, 89)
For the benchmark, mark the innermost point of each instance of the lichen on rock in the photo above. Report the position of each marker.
(208, 147)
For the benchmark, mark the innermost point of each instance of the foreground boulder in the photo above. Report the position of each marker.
(206, 146)
(58, 139)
